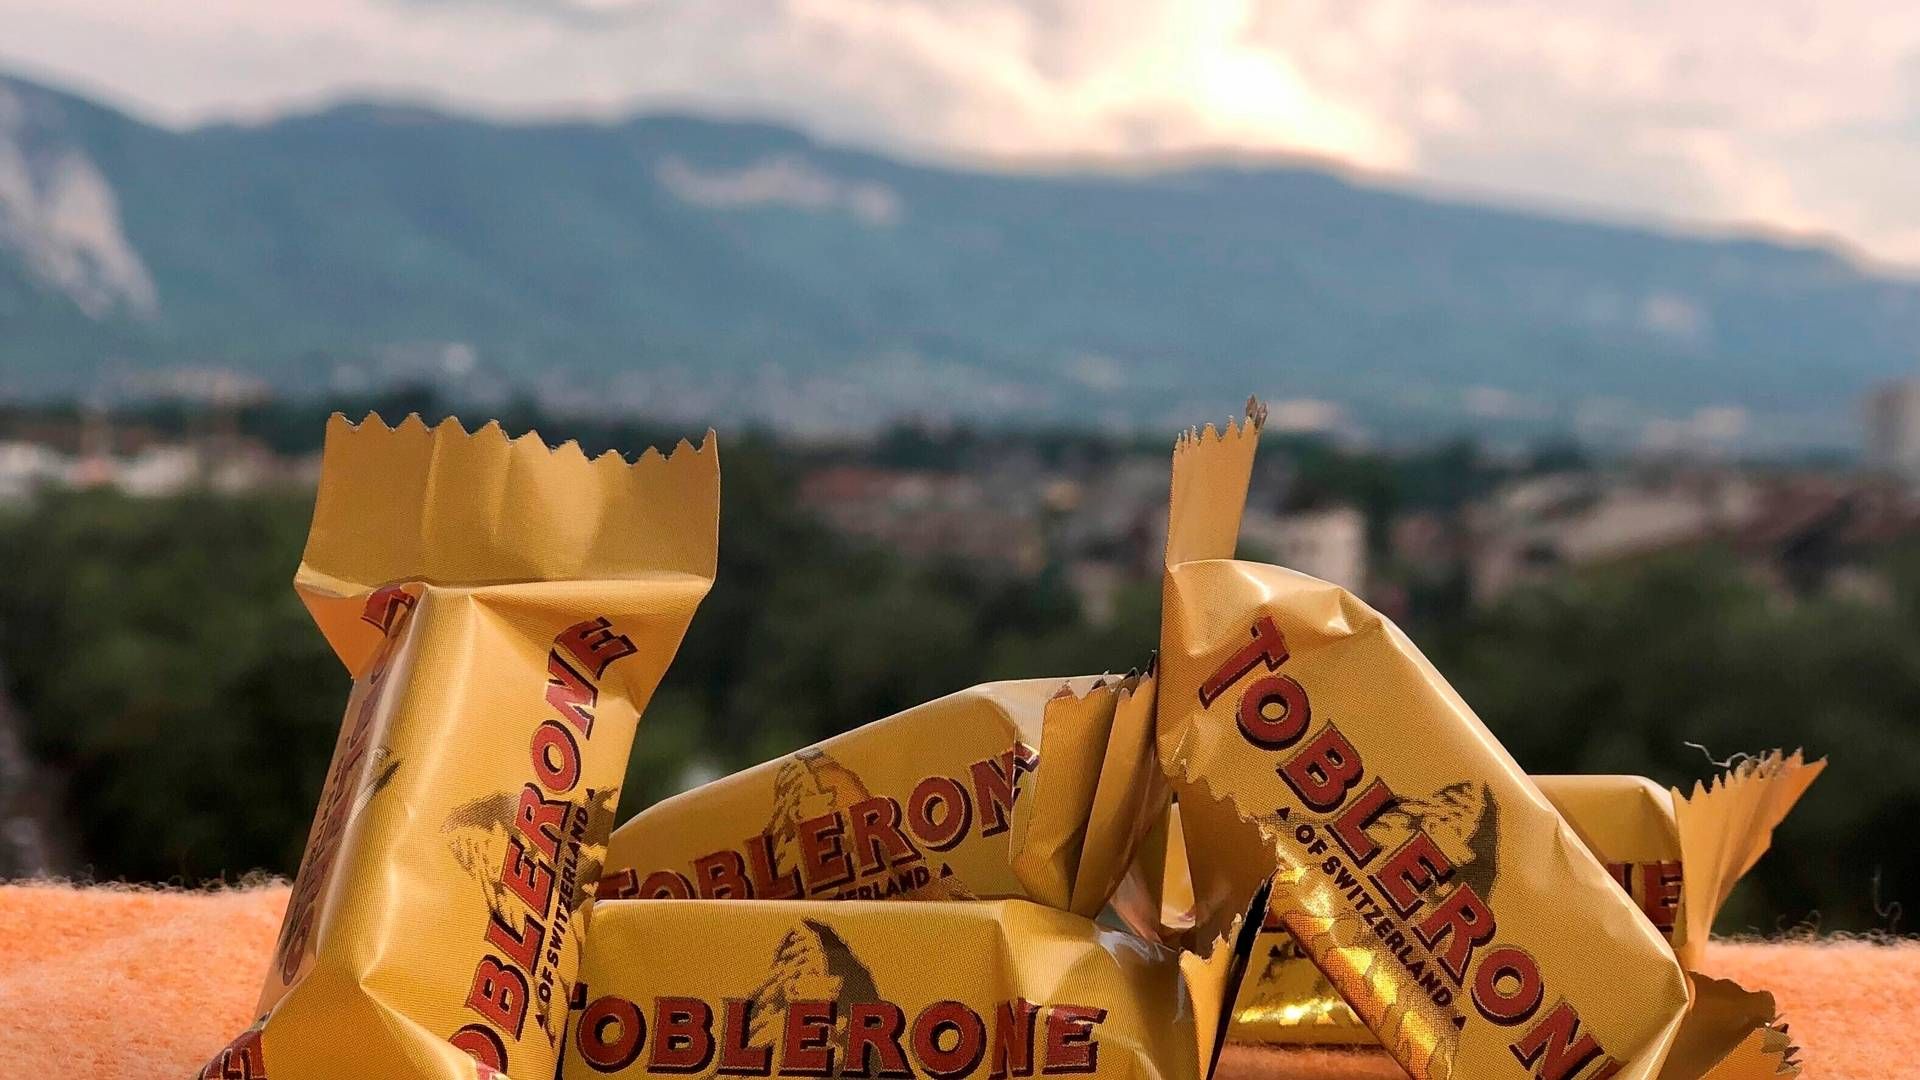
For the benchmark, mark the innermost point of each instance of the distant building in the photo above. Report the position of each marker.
(1330, 544)
(1803, 534)
(1823, 535)
(1893, 428)
(26, 467)
(923, 513)
(1535, 528)
(159, 471)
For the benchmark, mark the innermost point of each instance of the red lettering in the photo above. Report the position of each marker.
(1553, 1044)
(876, 1025)
(1013, 1039)
(1070, 1045)
(570, 694)
(737, 1056)
(1623, 874)
(295, 947)
(877, 838)
(722, 876)
(1279, 731)
(1268, 646)
(384, 606)
(1324, 770)
(939, 793)
(594, 645)
(1464, 920)
(761, 863)
(478, 1042)
(556, 757)
(969, 1035)
(1507, 987)
(682, 1035)
(243, 1059)
(539, 820)
(823, 863)
(529, 879)
(619, 885)
(499, 993)
(1350, 828)
(1410, 871)
(666, 885)
(520, 948)
(807, 1048)
(1660, 893)
(994, 791)
(609, 1034)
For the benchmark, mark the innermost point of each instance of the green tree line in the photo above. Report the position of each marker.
(176, 687)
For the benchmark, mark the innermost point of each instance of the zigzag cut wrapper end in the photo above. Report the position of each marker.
(1730, 1033)
(1726, 824)
(409, 503)
(450, 428)
(1211, 469)
(1213, 978)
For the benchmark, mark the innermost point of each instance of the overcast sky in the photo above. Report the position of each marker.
(1801, 117)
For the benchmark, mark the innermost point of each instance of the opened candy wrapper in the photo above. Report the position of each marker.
(506, 611)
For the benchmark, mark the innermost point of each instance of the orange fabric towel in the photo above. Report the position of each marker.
(112, 983)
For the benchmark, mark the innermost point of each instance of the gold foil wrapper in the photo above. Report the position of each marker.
(1038, 789)
(506, 611)
(863, 989)
(1664, 847)
(1441, 894)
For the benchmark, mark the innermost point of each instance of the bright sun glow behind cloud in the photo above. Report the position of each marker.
(1791, 115)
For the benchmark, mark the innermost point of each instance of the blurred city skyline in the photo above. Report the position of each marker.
(1788, 118)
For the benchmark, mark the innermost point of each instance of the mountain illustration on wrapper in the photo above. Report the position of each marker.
(812, 963)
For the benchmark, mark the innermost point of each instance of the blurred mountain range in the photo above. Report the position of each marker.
(721, 270)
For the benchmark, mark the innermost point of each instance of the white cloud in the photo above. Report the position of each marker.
(1795, 114)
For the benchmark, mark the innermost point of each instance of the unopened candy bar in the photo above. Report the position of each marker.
(951, 991)
(506, 611)
(1476, 938)
(1037, 789)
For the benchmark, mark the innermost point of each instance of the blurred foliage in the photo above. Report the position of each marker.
(170, 677)
(1619, 670)
(164, 665)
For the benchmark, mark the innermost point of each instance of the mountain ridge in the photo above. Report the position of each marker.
(681, 264)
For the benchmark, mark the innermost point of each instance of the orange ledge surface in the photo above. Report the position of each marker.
(107, 983)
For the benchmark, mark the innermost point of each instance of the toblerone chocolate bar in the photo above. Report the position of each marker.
(1036, 789)
(506, 611)
(1676, 855)
(946, 990)
(1482, 941)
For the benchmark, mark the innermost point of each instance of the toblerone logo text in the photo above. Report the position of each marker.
(947, 1039)
(873, 837)
(542, 855)
(1505, 982)
(1656, 887)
